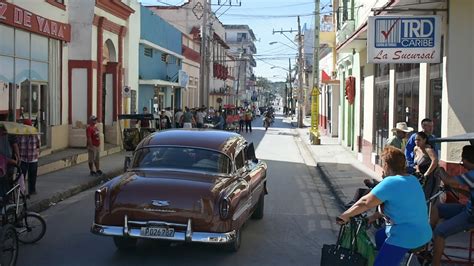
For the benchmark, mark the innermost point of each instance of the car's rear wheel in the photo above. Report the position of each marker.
(258, 213)
(235, 245)
(125, 243)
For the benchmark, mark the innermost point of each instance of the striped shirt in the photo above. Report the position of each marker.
(29, 148)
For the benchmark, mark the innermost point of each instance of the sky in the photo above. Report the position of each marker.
(263, 17)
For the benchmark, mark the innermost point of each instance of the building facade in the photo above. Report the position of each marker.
(375, 96)
(190, 23)
(241, 40)
(34, 48)
(160, 63)
(98, 59)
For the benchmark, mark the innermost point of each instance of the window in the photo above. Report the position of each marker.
(148, 52)
(407, 93)
(185, 158)
(239, 160)
(436, 91)
(241, 37)
(381, 107)
(165, 58)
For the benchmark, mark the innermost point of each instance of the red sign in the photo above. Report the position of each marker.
(21, 18)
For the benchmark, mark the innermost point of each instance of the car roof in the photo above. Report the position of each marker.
(218, 140)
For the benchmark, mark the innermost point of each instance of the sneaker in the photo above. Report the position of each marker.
(99, 173)
(92, 173)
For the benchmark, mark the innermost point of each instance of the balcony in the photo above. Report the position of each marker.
(346, 30)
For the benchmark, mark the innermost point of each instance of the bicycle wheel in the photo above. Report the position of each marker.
(32, 228)
(8, 245)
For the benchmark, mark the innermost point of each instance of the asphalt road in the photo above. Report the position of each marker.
(292, 232)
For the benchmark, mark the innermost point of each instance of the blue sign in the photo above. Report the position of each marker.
(405, 32)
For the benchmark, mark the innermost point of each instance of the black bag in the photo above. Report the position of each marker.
(335, 255)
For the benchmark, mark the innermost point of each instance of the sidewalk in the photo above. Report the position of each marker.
(59, 185)
(343, 173)
(338, 166)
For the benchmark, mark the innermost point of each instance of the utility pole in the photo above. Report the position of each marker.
(314, 134)
(204, 73)
(291, 89)
(300, 76)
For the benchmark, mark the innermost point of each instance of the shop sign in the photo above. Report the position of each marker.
(21, 18)
(404, 39)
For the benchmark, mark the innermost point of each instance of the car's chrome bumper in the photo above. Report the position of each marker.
(133, 229)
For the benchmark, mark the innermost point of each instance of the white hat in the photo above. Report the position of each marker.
(402, 126)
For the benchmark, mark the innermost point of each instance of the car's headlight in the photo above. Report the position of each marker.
(224, 208)
(99, 197)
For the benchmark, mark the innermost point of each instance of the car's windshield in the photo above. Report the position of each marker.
(185, 158)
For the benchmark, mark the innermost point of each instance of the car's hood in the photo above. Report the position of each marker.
(145, 195)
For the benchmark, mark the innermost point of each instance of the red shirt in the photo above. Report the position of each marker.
(93, 132)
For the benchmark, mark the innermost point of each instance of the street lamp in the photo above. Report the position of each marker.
(272, 43)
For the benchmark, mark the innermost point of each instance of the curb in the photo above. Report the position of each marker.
(44, 204)
(334, 188)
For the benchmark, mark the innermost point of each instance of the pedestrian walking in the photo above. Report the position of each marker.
(93, 146)
(187, 120)
(200, 118)
(177, 118)
(144, 122)
(248, 120)
(29, 153)
(427, 127)
(401, 131)
(241, 120)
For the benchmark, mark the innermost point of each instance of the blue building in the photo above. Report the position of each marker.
(160, 63)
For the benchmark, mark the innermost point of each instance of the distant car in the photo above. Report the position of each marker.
(257, 112)
(184, 185)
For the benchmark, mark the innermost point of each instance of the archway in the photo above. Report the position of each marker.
(109, 59)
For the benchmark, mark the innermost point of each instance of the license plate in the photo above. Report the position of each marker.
(157, 231)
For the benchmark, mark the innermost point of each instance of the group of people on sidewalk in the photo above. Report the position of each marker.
(411, 176)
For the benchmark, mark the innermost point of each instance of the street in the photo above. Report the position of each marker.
(292, 232)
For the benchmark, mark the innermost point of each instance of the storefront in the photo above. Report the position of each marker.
(31, 69)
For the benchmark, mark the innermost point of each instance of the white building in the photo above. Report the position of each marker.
(103, 59)
(241, 40)
(387, 93)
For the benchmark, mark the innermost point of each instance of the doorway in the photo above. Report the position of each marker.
(34, 106)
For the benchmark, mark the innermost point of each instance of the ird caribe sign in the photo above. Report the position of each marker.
(404, 39)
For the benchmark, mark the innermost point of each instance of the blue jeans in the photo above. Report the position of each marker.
(389, 255)
(456, 219)
(32, 170)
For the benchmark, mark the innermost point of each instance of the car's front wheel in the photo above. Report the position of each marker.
(125, 243)
(235, 245)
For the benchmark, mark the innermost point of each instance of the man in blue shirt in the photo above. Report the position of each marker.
(427, 127)
(457, 217)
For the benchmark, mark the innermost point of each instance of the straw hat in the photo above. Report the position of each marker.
(402, 126)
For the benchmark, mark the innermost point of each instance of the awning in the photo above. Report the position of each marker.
(358, 41)
(158, 83)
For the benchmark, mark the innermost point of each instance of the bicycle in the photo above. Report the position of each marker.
(30, 226)
(8, 245)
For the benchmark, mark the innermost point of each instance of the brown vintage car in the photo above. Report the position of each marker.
(186, 186)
